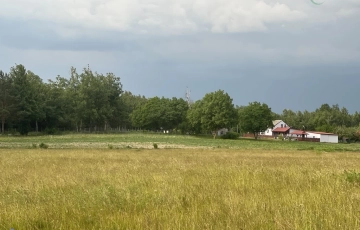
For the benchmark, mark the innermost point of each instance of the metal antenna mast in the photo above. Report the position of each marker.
(187, 96)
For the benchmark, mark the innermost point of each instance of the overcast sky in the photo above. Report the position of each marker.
(288, 54)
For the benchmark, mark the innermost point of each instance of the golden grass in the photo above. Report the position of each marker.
(177, 189)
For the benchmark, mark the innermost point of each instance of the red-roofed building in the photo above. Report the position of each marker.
(298, 133)
(278, 131)
(312, 135)
(276, 124)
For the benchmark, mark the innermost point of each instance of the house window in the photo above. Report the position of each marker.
(282, 126)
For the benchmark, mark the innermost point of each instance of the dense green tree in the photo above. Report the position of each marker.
(7, 105)
(160, 113)
(255, 118)
(194, 117)
(149, 115)
(94, 100)
(27, 99)
(290, 118)
(216, 110)
(175, 113)
(38, 99)
(129, 103)
(355, 121)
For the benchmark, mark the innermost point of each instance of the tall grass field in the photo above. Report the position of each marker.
(187, 183)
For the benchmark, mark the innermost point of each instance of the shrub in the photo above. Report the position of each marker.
(155, 146)
(43, 146)
(281, 137)
(34, 146)
(51, 131)
(230, 135)
(110, 146)
(352, 176)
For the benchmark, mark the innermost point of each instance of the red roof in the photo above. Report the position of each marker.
(281, 130)
(299, 132)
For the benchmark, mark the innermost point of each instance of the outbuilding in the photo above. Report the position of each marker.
(324, 137)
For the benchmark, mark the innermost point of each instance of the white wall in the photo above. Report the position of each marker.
(279, 125)
(268, 132)
(329, 138)
(313, 135)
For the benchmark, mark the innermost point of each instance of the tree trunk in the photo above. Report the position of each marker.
(37, 127)
(214, 134)
(2, 125)
(256, 135)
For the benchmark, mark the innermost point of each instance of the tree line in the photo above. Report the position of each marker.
(98, 102)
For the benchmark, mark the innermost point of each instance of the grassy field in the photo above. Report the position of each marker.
(146, 141)
(190, 183)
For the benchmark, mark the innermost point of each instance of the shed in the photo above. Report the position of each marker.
(298, 133)
(325, 137)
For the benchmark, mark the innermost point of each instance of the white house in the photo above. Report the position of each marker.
(276, 124)
(324, 137)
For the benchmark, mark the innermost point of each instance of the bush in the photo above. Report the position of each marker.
(43, 146)
(352, 177)
(110, 146)
(155, 146)
(281, 137)
(34, 146)
(51, 131)
(230, 135)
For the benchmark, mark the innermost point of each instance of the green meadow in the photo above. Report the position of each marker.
(120, 181)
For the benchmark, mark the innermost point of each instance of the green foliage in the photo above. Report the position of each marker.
(230, 135)
(155, 146)
(51, 131)
(213, 112)
(93, 100)
(110, 146)
(43, 146)
(352, 176)
(7, 99)
(34, 146)
(194, 117)
(129, 104)
(324, 119)
(139, 140)
(160, 113)
(255, 118)
(217, 111)
(281, 137)
(348, 133)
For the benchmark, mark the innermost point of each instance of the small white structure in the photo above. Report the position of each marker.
(223, 131)
(324, 137)
(276, 124)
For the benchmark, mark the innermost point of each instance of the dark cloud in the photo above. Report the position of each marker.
(296, 66)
